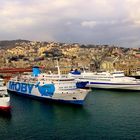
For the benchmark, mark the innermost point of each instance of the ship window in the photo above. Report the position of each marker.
(6, 95)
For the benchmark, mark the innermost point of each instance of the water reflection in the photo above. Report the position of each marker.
(59, 108)
(5, 114)
(25, 104)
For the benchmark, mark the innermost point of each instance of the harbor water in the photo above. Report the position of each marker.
(105, 115)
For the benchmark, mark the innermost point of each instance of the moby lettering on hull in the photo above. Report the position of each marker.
(45, 90)
(21, 87)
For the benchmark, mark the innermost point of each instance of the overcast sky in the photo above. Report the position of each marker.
(72, 21)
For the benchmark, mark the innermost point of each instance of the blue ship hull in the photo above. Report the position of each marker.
(76, 102)
(81, 84)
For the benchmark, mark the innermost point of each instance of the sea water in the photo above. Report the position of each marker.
(106, 115)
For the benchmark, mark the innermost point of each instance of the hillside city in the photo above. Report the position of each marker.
(24, 54)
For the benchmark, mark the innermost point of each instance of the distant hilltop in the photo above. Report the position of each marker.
(24, 53)
(11, 43)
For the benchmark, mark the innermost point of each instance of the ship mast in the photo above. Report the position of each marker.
(58, 68)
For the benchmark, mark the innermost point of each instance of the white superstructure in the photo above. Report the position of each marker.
(48, 86)
(4, 97)
(112, 80)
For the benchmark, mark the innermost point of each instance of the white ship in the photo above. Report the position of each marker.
(106, 80)
(4, 97)
(54, 87)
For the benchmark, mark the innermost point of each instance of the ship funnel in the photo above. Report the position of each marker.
(75, 72)
(35, 71)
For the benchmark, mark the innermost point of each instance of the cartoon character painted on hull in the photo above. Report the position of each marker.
(46, 90)
(26, 88)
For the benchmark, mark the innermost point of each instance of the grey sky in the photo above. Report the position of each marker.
(72, 21)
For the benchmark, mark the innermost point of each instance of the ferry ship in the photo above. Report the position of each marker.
(106, 80)
(4, 97)
(54, 87)
(79, 83)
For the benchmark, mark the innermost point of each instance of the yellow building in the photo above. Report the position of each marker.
(107, 66)
(129, 68)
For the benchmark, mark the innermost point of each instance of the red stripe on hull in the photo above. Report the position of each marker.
(5, 108)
